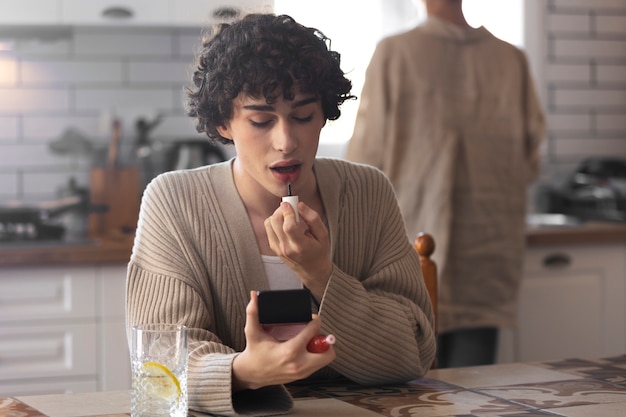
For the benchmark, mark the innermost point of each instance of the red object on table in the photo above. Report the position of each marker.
(320, 343)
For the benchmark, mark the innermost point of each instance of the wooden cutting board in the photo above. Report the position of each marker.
(115, 199)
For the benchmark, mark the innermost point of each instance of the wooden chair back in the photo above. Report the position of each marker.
(424, 244)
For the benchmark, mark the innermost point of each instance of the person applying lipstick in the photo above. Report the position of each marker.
(209, 238)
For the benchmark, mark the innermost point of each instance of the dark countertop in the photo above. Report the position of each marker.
(588, 233)
(85, 252)
(117, 251)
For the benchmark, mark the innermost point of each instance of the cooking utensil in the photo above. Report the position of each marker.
(37, 221)
(114, 146)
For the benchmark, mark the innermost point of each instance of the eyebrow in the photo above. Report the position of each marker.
(269, 107)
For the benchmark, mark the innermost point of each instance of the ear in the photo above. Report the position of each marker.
(224, 131)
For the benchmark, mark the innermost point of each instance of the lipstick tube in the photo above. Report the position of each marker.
(293, 200)
(320, 344)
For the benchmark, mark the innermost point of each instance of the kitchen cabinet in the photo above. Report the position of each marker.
(201, 12)
(30, 12)
(81, 12)
(62, 330)
(143, 12)
(114, 361)
(572, 302)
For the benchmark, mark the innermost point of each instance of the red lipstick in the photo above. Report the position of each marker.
(321, 343)
(287, 172)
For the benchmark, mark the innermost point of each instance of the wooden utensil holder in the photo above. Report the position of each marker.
(115, 196)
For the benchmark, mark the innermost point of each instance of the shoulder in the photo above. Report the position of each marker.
(499, 46)
(351, 178)
(348, 169)
(407, 40)
(188, 180)
(394, 52)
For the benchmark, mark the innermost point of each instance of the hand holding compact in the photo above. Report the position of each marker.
(266, 361)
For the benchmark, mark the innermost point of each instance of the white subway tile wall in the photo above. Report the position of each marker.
(8, 69)
(61, 73)
(26, 99)
(584, 81)
(58, 79)
(8, 128)
(42, 128)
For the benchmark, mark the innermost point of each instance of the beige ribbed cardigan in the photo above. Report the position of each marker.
(451, 117)
(195, 260)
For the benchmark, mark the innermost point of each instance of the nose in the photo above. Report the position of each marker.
(285, 140)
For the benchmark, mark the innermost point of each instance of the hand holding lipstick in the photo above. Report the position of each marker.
(303, 246)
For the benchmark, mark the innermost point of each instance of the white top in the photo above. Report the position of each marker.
(279, 275)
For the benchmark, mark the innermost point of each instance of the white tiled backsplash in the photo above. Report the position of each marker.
(78, 78)
(81, 78)
(582, 60)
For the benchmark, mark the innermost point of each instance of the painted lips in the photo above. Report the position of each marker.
(288, 173)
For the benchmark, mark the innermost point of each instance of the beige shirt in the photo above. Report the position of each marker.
(451, 117)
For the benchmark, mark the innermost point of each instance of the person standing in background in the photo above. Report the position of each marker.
(449, 113)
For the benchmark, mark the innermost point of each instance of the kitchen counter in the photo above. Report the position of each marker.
(587, 233)
(91, 252)
(118, 250)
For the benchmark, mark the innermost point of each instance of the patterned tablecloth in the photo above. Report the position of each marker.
(11, 407)
(570, 387)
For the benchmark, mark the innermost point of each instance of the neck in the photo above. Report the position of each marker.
(258, 201)
(448, 10)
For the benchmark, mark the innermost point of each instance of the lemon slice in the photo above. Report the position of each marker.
(162, 383)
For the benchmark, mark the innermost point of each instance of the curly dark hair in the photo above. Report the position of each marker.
(263, 55)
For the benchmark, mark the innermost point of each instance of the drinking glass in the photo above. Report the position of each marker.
(159, 371)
